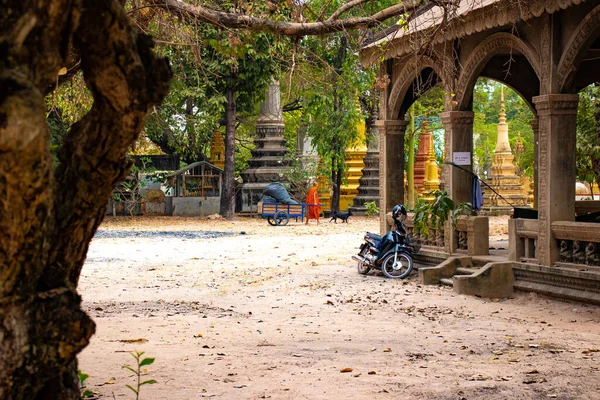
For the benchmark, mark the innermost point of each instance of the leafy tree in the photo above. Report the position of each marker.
(242, 65)
(184, 122)
(333, 109)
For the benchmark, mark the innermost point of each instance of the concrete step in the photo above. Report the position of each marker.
(465, 271)
(446, 281)
(585, 296)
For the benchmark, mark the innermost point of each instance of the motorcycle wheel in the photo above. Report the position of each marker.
(363, 268)
(401, 269)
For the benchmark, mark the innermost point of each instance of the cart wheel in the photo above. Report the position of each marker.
(271, 221)
(281, 218)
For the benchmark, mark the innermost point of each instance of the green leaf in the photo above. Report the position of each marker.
(129, 368)
(146, 361)
(134, 391)
(148, 382)
(82, 376)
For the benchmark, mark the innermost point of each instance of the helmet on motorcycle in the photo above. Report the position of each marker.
(398, 210)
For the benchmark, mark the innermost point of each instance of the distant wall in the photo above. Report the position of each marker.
(195, 206)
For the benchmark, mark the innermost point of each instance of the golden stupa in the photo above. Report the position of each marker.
(325, 190)
(217, 150)
(432, 180)
(422, 157)
(355, 155)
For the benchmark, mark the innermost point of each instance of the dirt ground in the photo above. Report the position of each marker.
(281, 312)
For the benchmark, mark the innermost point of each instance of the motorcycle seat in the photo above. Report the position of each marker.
(374, 236)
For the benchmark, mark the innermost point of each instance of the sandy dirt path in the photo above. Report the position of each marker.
(279, 312)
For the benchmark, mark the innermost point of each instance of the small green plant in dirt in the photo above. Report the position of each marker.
(84, 392)
(372, 208)
(137, 370)
(431, 216)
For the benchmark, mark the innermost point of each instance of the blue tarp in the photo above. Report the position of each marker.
(278, 192)
(476, 195)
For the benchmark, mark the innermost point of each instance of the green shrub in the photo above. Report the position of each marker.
(372, 208)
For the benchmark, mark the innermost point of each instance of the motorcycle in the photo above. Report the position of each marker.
(391, 253)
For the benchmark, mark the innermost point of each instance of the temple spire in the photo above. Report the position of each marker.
(502, 145)
(503, 177)
(502, 106)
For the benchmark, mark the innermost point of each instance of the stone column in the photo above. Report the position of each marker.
(458, 126)
(535, 127)
(391, 170)
(557, 114)
(459, 138)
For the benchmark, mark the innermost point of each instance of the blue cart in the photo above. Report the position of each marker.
(279, 214)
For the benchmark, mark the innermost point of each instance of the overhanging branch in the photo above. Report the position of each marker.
(241, 21)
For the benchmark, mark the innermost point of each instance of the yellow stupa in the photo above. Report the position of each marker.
(217, 150)
(355, 155)
(324, 190)
(432, 180)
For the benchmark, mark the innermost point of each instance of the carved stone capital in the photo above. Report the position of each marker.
(535, 125)
(391, 127)
(556, 104)
(457, 118)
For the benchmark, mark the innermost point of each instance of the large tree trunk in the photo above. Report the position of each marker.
(336, 180)
(227, 208)
(48, 216)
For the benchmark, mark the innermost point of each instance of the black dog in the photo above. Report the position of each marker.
(343, 216)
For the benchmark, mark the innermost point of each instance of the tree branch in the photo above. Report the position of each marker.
(349, 5)
(236, 21)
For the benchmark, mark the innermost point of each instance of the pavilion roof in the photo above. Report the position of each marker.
(469, 17)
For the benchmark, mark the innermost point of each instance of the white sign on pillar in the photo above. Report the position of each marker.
(461, 158)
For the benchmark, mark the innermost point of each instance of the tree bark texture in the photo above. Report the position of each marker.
(48, 215)
(227, 206)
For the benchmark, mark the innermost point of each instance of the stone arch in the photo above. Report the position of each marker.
(406, 77)
(483, 53)
(586, 32)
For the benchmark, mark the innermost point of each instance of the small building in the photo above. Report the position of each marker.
(195, 190)
(141, 191)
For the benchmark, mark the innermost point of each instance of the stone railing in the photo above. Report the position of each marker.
(522, 240)
(471, 236)
(579, 243)
(434, 240)
(435, 237)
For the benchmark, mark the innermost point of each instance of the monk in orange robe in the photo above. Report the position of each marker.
(312, 203)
